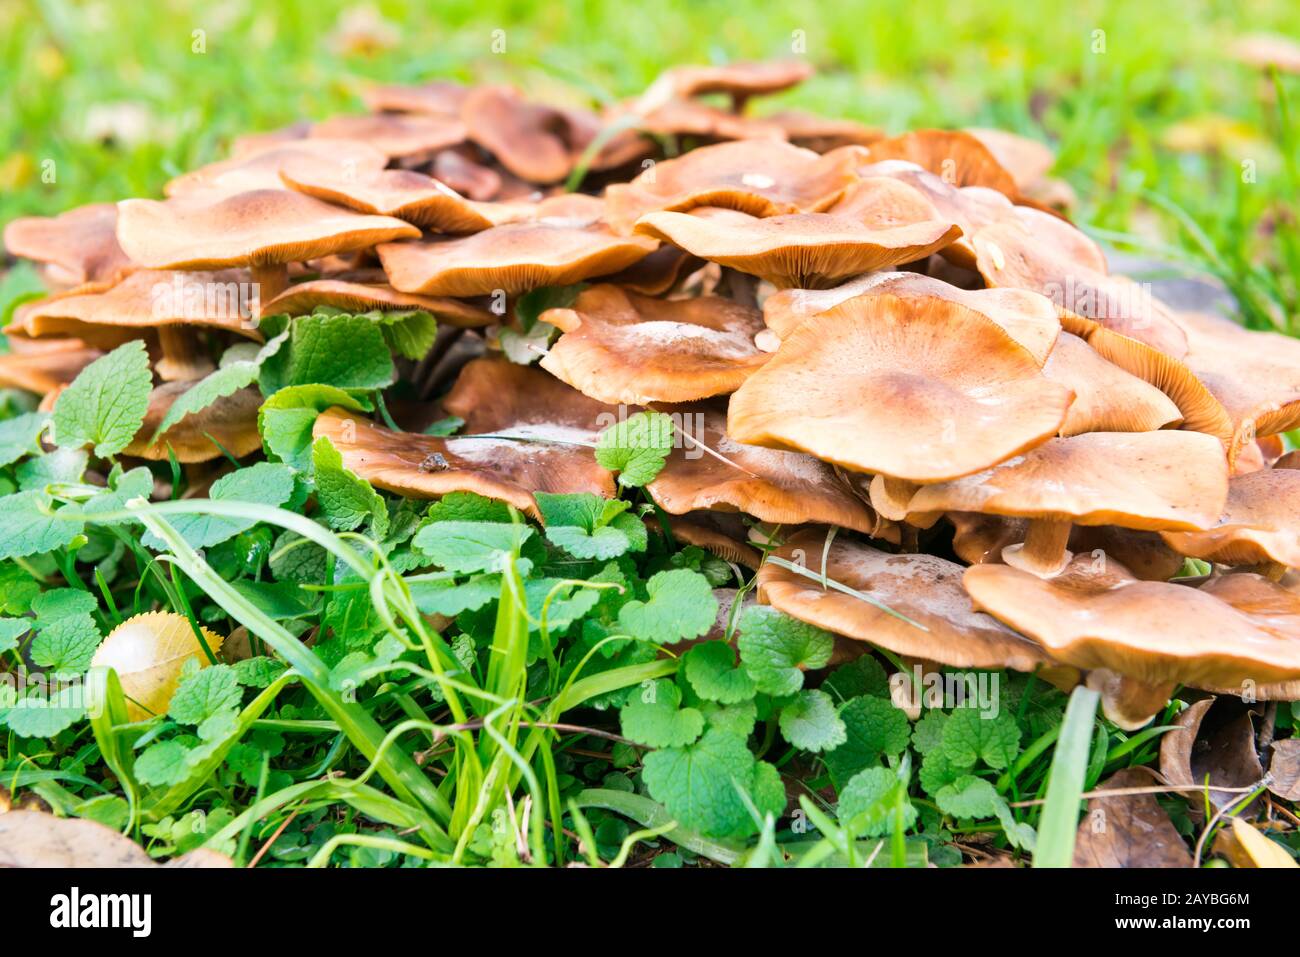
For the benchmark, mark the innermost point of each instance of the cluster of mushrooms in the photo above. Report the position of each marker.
(893, 361)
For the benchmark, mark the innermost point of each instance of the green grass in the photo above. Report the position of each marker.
(1025, 67)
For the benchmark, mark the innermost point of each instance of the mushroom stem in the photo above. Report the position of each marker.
(1127, 702)
(1271, 570)
(181, 360)
(271, 280)
(1043, 552)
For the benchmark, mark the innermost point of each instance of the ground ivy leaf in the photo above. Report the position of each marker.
(341, 350)
(681, 605)
(937, 772)
(449, 598)
(653, 717)
(33, 525)
(18, 589)
(774, 648)
(874, 729)
(409, 333)
(868, 801)
(467, 507)
(106, 404)
(286, 419)
(162, 764)
(469, 547)
(969, 736)
(810, 722)
(637, 447)
(266, 483)
(11, 629)
(44, 716)
(225, 381)
(768, 791)
(18, 436)
(137, 483)
(204, 693)
(700, 783)
(66, 645)
(969, 797)
(927, 733)
(258, 672)
(864, 675)
(711, 669)
(346, 500)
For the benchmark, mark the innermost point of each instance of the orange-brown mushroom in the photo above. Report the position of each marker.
(227, 425)
(918, 389)
(260, 168)
(622, 347)
(1260, 524)
(1266, 50)
(738, 80)
(397, 136)
(1106, 398)
(958, 158)
(822, 134)
(45, 365)
(77, 248)
(438, 98)
(304, 297)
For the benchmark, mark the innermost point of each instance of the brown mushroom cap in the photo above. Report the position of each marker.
(621, 347)
(1155, 633)
(303, 298)
(535, 142)
(1144, 480)
(467, 176)
(925, 588)
(258, 228)
(77, 247)
(762, 178)
(657, 273)
(822, 134)
(395, 135)
(43, 366)
(227, 425)
(690, 118)
(877, 223)
(1027, 317)
(1028, 161)
(1260, 523)
(787, 488)
(1106, 398)
(404, 194)
(250, 143)
(148, 299)
(923, 390)
(515, 258)
(958, 158)
(736, 79)
(438, 98)
(714, 540)
(260, 168)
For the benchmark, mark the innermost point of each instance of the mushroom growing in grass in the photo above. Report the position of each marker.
(303, 298)
(165, 304)
(958, 157)
(876, 224)
(397, 136)
(912, 605)
(919, 389)
(622, 347)
(43, 366)
(226, 426)
(1156, 481)
(263, 230)
(1106, 398)
(260, 168)
(1139, 639)
(78, 249)
(739, 81)
(436, 98)
(708, 470)
(1260, 525)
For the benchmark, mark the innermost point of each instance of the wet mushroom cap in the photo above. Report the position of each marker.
(494, 394)
(1028, 161)
(1141, 480)
(303, 298)
(1151, 632)
(925, 588)
(960, 158)
(622, 347)
(1260, 523)
(786, 488)
(923, 390)
(262, 227)
(77, 247)
(513, 258)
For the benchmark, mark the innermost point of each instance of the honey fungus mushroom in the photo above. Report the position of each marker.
(1260, 524)
(1155, 481)
(78, 248)
(622, 347)
(919, 389)
(304, 297)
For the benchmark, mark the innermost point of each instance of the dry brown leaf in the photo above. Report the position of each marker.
(1222, 748)
(1284, 769)
(1244, 846)
(1128, 830)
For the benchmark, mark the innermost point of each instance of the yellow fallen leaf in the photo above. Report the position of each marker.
(1262, 851)
(148, 652)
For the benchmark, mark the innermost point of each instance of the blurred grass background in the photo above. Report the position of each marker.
(1151, 118)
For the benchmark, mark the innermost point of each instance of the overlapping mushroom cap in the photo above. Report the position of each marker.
(923, 390)
(227, 426)
(622, 347)
(43, 365)
(1260, 523)
(304, 297)
(1106, 398)
(958, 157)
(259, 168)
(395, 135)
(944, 626)
(78, 247)
(709, 470)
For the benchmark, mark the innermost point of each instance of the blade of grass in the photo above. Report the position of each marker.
(1060, 820)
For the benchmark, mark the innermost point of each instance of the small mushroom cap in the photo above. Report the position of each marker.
(810, 249)
(925, 588)
(696, 530)
(303, 298)
(920, 389)
(147, 299)
(822, 134)
(227, 425)
(1027, 160)
(657, 273)
(690, 118)
(467, 176)
(1255, 375)
(250, 143)
(439, 98)
(763, 178)
(1266, 50)
(43, 366)
(537, 143)
(536, 436)
(744, 79)
(1106, 398)
(1027, 317)
(259, 228)
(514, 258)
(960, 158)
(1260, 523)
(260, 168)
(787, 488)
(1146, 480)
(622, 347)
(1151, 632)
(395, 135)
(77, 247)
(406, 195)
